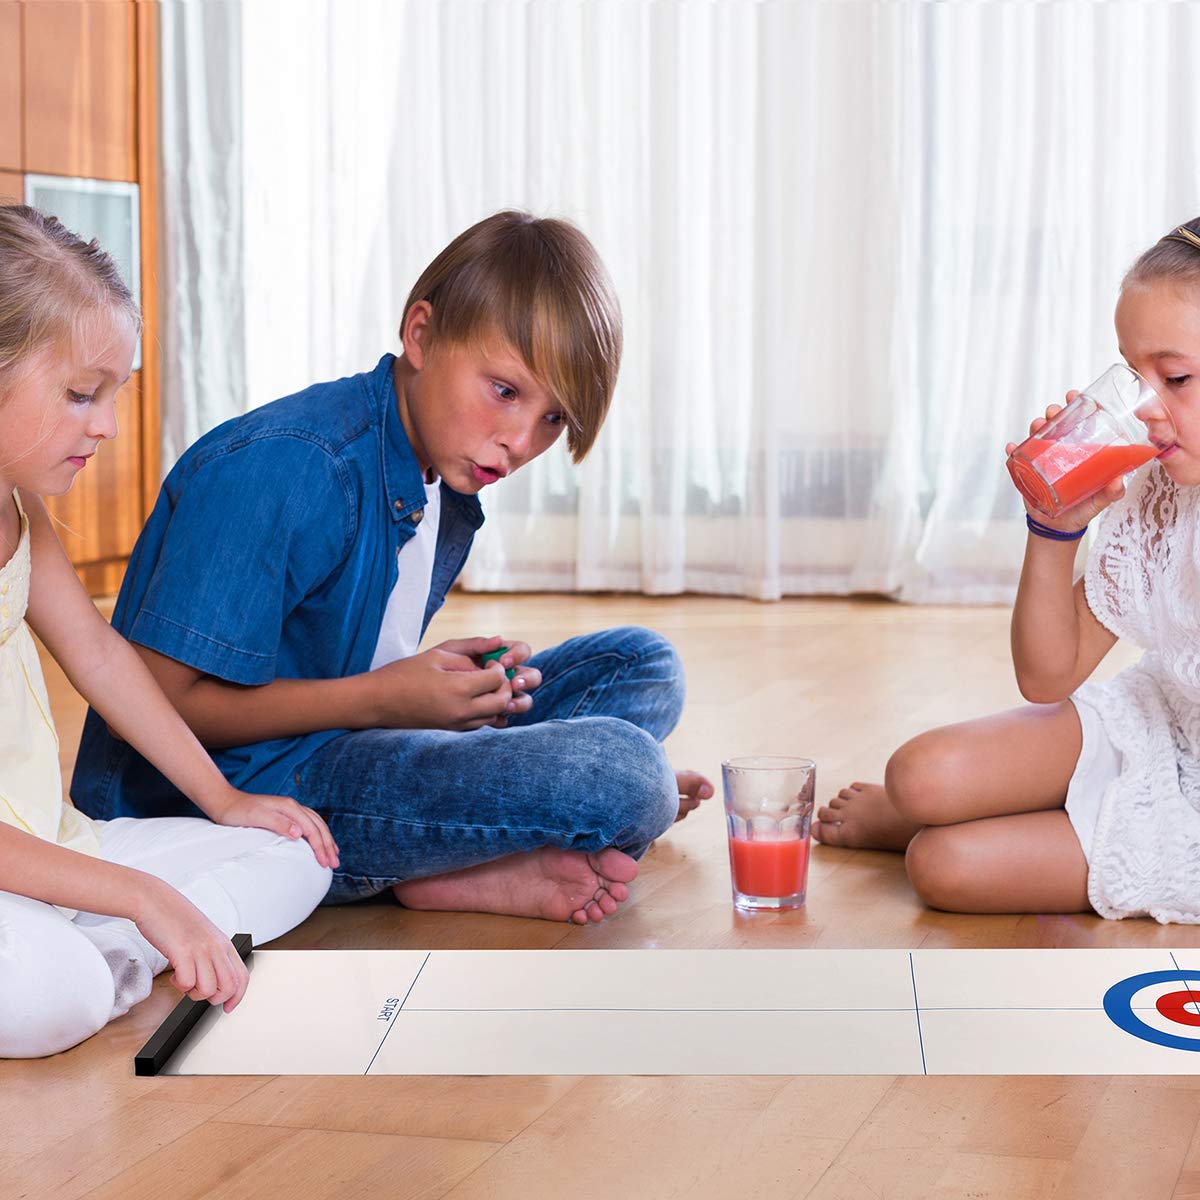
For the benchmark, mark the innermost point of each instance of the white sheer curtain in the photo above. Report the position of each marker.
(858, 246)
(200, 221)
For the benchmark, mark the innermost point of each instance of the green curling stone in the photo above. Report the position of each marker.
(496, 655)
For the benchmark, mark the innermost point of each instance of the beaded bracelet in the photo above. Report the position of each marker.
(1056, 535)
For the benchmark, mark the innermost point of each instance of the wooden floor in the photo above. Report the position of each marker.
(842, 682)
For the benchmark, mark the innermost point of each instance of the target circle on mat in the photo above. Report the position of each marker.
(1118, 1004)
(1179, 1007)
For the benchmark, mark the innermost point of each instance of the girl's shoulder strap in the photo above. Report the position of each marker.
(22, 516)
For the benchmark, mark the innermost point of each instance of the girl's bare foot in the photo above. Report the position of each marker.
(693, 787)
(556, 885)
(862, 817)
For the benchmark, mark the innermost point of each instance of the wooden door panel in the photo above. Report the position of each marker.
(80, 88)
(100, 518)
(12, 187)
(10, 85)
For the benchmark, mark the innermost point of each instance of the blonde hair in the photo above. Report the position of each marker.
(52, 283)
(1174, 258)
(540, 284)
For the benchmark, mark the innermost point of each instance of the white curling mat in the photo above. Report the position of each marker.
(706, 1012)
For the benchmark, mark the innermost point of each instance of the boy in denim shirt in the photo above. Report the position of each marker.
(296, 554)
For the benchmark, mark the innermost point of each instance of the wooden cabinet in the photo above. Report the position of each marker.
(85, 80)
(10, 87)
(80, 88)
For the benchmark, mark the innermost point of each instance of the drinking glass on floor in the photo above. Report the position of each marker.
(768, 809)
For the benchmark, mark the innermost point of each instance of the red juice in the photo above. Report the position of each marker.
(769, 868)
(1075, 471)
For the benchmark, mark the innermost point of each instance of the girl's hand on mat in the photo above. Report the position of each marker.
(445, 688)
(280, 815)
(206, 965)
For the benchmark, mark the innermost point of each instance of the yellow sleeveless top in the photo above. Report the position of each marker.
(31, 796)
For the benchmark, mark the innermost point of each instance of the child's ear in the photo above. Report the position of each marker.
(418, 326)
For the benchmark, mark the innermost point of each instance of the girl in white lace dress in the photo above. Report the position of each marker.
(91, 911)
(1090, 796)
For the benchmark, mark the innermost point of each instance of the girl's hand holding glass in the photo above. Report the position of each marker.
(1117, 424)
(1078, 516)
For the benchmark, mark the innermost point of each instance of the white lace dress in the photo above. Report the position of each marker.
(1142, 582)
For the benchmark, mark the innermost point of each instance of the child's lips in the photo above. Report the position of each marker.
(486, 474)
(1169, 450)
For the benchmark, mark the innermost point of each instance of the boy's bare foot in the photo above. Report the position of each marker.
(862, 817)
(693, 787)
(556, 885)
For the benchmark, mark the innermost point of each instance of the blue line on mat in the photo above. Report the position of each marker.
(569, 1008)
(397, 1013)
(916, 1004)
(1185, 982)
(591, 1009)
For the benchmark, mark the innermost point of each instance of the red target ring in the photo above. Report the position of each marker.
(1172, 1007)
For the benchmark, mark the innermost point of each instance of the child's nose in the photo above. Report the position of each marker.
(103, 425)
(517, 440)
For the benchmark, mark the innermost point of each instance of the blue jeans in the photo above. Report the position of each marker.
(583, 769)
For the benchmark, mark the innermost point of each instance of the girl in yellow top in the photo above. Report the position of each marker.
(90, 910)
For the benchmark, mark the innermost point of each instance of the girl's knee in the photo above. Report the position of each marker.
(48, 1005)
(941, 868)
(311, 880)
(922, 778)
(291, 884)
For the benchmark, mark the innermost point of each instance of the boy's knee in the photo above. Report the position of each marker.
(940, 868)
(631, 783)
(659, 668)
(917, 777)
(47, 1006)
(662, 653)
(652, 647)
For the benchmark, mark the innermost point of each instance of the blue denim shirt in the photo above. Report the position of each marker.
(271, 554)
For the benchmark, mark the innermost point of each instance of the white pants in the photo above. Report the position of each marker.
(61, 980)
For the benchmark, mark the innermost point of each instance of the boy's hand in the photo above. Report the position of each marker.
(445, 687)
(207, 967)
(280, 815)
(1076, 518)
(526, 678)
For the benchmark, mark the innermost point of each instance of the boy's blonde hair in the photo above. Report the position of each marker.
(1175, 257)
(52, 284)
(539, 283)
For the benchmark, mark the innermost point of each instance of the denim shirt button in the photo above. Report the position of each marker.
(398, 503)
(416, 517)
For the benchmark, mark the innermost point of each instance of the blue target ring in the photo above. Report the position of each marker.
(1118, 1004)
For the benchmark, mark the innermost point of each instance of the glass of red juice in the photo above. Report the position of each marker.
(1115, 425)
(768, 809)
